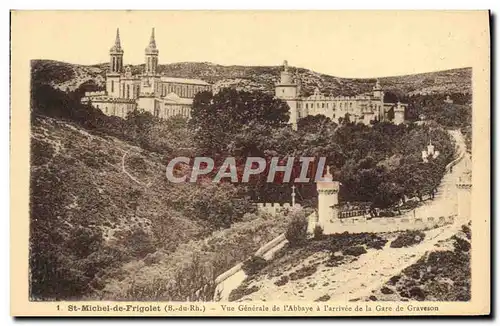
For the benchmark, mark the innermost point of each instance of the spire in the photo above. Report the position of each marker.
(117, 47)
(152, 42)
(151, 49)
(117, 41)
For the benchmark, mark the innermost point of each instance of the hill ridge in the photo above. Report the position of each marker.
(64, 76)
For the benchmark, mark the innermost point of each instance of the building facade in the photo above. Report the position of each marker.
(361, 108)
(160, 95)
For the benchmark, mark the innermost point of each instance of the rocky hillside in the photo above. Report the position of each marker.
(98, 202)
(69, 76)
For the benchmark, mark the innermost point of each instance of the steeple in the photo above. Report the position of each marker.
(116, 55)
(151, 55)
(151, 49)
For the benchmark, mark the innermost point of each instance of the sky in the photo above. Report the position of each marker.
(345, 44)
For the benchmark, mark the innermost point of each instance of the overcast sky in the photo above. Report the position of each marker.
(346, 44)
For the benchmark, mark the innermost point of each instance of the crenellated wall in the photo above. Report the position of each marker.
(275, 208)
(362, 224)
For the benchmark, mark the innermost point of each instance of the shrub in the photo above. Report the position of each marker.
(407, 239)
(303, 272)
(467, 231)
(323, 298)
(296, 232)
(354, 251)
(318, 232)
(242, 291)
(254, 265)
(461, 244)
(386, 290)
(282, 281)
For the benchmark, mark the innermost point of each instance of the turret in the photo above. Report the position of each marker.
(287, 90)
(399, 113)
(151, 56)
(377, 90)
(328, 192)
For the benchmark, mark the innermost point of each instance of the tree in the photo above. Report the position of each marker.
(315, 123)
(216, 118)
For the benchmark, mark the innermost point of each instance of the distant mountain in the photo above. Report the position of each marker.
(66, 76)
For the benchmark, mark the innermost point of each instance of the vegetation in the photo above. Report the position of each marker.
(263, 78)
(253, 265)
(442, 275)
(318, 232)
(97, 233)
(296, 232)
(408, 239)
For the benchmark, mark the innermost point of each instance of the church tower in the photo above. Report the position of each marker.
(287, 90)
(115, 67)
(151, 56)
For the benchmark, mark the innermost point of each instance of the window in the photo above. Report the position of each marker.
(128, 91)
(323, 105)
(112, 86)
(307, 106)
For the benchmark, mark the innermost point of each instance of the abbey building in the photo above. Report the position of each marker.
(165, 96)
(160, 95)
(360, 108)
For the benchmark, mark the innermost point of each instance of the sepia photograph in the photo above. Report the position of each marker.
(286, 163)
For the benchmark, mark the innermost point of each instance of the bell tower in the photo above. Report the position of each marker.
(115, 67)
(151, 56)
(116, 55)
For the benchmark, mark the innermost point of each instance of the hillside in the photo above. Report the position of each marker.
(98, 202)
(65, 75)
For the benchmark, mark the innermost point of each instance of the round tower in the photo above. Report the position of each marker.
(287, 90)
(377, 90)
(328, 198)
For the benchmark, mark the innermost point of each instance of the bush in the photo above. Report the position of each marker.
(296, 232)
(318, 232)
(253, 265)
(407, 239)
(323, 298)
(303, 272)
(354, 251)
(242, 291)
(282, 281)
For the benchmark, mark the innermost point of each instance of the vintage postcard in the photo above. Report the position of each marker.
(250, 163)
